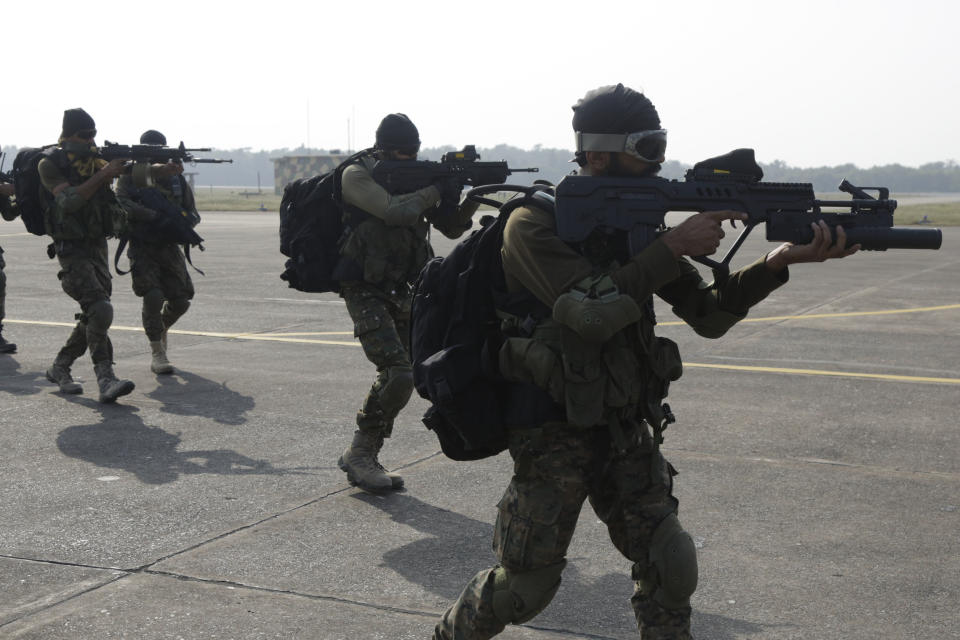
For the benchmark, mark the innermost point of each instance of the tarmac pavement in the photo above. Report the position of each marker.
(816, 442)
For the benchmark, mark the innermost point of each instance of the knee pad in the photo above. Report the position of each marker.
(674, 556)
(519, 596)
(396, 389)
(99, 316)
(176, 308)
(153, 302)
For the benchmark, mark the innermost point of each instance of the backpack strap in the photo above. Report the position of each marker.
(186, 254)
(121, 247)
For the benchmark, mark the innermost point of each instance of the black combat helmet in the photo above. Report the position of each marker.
(152, 136)
(627, 117)
(396, 132)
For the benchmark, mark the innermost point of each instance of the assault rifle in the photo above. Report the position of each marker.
(731, 181)
(154, 153)
(405, 176)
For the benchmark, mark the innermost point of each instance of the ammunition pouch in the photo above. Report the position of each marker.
(597, 355)
(595, 310)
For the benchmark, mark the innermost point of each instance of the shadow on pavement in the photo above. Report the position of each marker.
(18, 383)
(709, 626)
(207, 398)
(123, 441)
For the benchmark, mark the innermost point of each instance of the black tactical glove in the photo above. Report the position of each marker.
(450, 189)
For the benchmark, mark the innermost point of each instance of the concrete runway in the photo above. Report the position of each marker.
(817, 445)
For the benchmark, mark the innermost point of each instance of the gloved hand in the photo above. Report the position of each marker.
(450, 189)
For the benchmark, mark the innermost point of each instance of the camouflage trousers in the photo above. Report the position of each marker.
(85, 276)
(630, 488)
(382, 324)
(159, 274)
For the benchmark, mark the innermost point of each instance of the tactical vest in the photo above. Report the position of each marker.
(100, 217)
(596, 355)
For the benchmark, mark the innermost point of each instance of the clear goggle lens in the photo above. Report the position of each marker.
(649, 146)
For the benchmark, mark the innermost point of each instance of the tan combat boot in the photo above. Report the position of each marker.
(110, 387)
(159, 364)
(59, 374)
(360, 463)
(395, 478)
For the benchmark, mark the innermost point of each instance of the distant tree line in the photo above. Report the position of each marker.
(250, 168)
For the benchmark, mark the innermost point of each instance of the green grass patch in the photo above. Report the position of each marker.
(939, 214)
(236, 200)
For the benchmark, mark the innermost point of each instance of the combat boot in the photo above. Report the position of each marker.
(6, 347)
(59, 374)
(159, 364)
(395, 478)
(110, 387)
(360, 463)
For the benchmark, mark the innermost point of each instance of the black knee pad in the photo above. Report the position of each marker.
(153, 302)
(99, 316)
(176, 308)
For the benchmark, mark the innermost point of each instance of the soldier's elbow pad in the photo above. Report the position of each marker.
(674, 555)
(69, 200)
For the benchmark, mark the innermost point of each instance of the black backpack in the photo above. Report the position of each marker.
(33, 201)
(311, 225)
(172, 225)
(455, 335)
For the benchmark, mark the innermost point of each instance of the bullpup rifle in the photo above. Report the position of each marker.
(732, 181)
(405, 176)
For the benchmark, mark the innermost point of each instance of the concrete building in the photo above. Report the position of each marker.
(289, 168)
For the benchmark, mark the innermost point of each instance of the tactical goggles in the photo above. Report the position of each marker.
(649, 146)
(86, 134)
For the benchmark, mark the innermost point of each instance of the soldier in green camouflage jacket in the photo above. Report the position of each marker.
(388, 245)
(83, 214)
(607, 380)
(159, 270)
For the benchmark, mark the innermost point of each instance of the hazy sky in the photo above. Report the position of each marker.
(810, 83)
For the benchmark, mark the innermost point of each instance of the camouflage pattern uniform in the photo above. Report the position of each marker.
(382, 255)
(159, 271)
(80, 229)
(614, 462)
